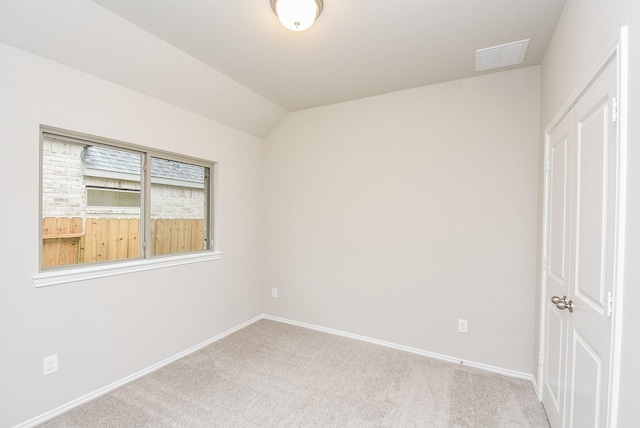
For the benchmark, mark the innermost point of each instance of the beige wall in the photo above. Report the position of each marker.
(583, 33)
(393, 216)
(104, 330)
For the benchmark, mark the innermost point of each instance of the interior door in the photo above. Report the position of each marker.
(593, 251)
(556, 276)
(580, 238)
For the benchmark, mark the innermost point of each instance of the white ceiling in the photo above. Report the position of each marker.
(356, 48)
(232, 60)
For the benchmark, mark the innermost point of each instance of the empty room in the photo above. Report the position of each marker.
(329, 213)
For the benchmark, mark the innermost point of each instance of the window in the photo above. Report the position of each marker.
(105, 201)
(115, 198)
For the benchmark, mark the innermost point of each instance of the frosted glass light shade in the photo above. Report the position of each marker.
(297, 15)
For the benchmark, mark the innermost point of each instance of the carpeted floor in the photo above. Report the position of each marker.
(271, 374)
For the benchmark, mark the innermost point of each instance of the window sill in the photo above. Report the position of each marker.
(83, 273)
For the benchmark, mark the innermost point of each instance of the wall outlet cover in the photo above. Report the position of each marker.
(50, 364)
(463, 326)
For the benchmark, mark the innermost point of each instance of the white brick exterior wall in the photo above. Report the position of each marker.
(63, 192)
(176, 202)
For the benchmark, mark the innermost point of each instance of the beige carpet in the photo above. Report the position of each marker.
(271, 374)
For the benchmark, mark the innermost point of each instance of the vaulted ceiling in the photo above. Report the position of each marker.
(229, 58)
(356, 48)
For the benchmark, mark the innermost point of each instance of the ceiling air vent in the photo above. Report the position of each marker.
(501, 56)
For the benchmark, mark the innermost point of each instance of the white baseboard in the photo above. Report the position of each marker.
(534, 381)
(95, 394)
(494, 369)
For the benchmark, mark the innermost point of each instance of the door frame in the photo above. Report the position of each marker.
(616, 51)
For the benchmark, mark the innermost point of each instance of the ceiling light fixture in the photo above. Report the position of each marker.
(297, 15)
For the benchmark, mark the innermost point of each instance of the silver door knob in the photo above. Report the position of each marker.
(562, 304)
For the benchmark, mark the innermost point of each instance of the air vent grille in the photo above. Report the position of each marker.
(501, 56)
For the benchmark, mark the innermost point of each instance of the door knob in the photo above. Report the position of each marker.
(562, 304)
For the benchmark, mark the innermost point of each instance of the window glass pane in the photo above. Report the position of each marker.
(75, 176)
(179, 207)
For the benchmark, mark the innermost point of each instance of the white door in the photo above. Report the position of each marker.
(580, 249)
(593, 250)
(557, 273)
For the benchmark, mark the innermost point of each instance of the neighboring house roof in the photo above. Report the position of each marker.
(105, 159)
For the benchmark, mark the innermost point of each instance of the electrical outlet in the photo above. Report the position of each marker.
(50, 364)
(274, 292)
(462, 326)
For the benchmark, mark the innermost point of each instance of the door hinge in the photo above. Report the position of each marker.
(609, 303)
(541, 360)
(544, 263)
(546, 164)
(144, 246)
(614, 110)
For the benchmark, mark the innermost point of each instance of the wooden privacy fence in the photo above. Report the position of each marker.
(65, 241)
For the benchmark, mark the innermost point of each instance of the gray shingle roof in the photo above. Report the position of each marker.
(105, 159)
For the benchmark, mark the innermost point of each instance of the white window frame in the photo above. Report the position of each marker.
(86, 271)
